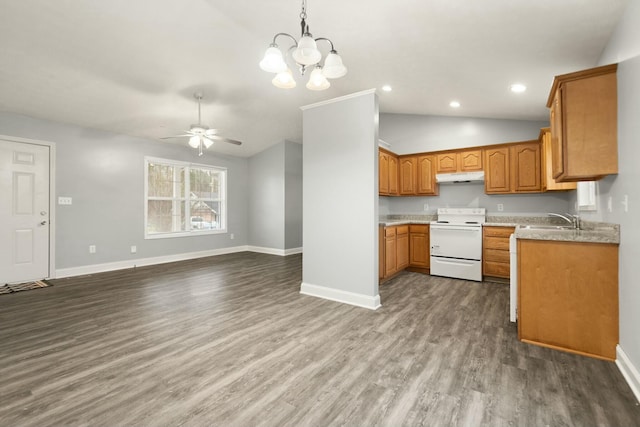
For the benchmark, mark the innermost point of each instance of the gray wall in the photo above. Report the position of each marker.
(340, 161)
(408, 133)
(104, 174)
(275, 197)
(413, 134)
(266, 198)
(292, 195)
(624, 48)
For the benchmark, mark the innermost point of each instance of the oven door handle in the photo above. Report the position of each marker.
(456, 228)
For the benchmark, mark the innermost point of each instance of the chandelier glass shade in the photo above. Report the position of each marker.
(305, 53)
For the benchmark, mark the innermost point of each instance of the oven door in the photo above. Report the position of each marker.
(456, 241)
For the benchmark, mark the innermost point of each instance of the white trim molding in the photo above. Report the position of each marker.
(360, 300)
(338, 99)
(139, 262)
(274, 251)
(629, 372)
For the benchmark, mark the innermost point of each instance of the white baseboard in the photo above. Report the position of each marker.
(366, 301)
(629, 372)
(139, 262)
(274, 251)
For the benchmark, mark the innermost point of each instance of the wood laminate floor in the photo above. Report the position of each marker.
(229, 341)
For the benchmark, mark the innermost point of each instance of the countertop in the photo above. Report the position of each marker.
(591, 232)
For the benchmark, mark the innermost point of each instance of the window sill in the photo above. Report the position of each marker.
(183, 234)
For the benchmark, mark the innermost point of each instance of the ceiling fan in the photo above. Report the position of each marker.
(201, 136)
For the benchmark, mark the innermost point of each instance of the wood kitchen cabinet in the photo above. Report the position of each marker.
(394, 250)
(459, 161)
(408, 173)
(495, 252)
(497, 172)
(419, 254)
(402, 247)
(387, 173)
(548, 182)
(513, 168)
(568, 296)
(426, 175)
(397, 250)
(584, 124)
(417, 175)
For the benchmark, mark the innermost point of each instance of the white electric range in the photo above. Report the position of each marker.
(456, 243)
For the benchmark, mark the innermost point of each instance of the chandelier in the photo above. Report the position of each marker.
(306, 55)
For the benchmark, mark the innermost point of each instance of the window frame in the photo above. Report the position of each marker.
(190, 232)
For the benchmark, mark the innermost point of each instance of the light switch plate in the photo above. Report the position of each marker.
(65, 200)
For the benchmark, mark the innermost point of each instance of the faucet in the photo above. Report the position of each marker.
(574, 220)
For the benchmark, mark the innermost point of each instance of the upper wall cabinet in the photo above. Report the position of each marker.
(513, 168)
(459, 161)
(548, 182)
(387, 173)
(418, 175)
(583, 115)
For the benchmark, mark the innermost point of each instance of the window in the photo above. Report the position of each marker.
(184, 199)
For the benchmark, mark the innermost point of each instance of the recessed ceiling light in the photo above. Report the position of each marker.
(386, 88)
(454, 104)
(518, 88)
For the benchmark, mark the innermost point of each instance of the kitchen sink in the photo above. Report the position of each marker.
(546, 227)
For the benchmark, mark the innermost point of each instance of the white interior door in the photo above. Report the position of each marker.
(24, 212)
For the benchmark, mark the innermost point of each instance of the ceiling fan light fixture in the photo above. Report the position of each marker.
(207, 142)
(194, 141)
(317, 80)
(284, 80)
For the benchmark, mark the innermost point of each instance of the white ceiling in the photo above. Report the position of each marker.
(132, 66)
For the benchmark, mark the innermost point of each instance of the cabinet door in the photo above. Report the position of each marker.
(447, 162)
(402, 247)
(470, 160)
(383, 173)
(408, 173)
(393, 175)
(548, 182)
(390, 256)
(556, 134)
(525, 163)
(497, 176)
(426, 183)
(419, 246)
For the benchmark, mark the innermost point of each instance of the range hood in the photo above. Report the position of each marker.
(459, 177)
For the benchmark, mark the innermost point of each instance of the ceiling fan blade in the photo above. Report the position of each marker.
(176, 136)
(219, 138)
(210, 132)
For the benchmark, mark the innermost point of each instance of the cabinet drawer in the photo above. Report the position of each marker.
(423, 229)
(402, 229)
(499, 231)
(496, 269)
(496, 255)
(390, 232)
(496, 243)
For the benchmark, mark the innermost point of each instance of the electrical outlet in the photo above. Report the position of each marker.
(65, 200)
(426, 206)
(134, 249)
(610, 204)
(500, 207)
(231, 236)
(625, 202)
(92, 249)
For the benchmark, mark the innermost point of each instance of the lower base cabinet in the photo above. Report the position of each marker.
(402, 246)
(568, 296)
(495, 252)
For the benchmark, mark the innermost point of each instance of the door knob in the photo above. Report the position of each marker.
(43, 223)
